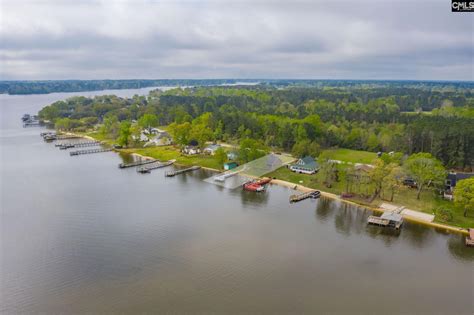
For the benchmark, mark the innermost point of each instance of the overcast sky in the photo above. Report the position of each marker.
(333, 39)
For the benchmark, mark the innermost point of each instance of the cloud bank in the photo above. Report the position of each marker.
(88, 39)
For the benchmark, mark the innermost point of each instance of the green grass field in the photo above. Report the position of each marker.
(348, 155)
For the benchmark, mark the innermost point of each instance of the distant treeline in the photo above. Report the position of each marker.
(410, 94)
(294, 117)
(54, 86)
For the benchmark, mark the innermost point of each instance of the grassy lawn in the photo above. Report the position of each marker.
(428, 202)
(165, 153)
(169, 153)
(353, 156)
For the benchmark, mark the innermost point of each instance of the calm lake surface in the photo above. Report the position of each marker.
(79, 235)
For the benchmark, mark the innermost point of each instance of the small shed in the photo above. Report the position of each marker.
(230, 165)
(306, 165)
(191, 150)
(232, 155)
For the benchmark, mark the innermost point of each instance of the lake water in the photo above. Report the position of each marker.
(79, 235)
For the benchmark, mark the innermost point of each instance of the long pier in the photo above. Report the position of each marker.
(182, 171)
(64, 146)
(149, 167)
(314, 194)
(136, 163)
(90, 151)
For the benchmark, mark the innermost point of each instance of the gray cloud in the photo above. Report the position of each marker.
(366, 39)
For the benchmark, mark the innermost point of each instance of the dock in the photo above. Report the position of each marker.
(392, 219)
(136, 163)
(314, 194)
(182, 171)
(151, 166)
(69, 145)
(90, 151)
(470, 238)
(48, 137)
(35, 123)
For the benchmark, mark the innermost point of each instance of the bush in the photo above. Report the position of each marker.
(443, 214)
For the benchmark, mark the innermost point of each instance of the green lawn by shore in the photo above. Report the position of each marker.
(348, 155)
(428, 202)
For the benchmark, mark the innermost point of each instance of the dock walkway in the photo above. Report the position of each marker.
(314, 194)
(90, 151)
(137, 163)
(69, 145)
(152, 166)
(182, 171)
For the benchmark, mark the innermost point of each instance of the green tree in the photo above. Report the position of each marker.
(125, 133)
(425, 170)
(148, 121)
(250, 150)
(464, 194)
(221, 156)
(180, 132)
(110, 126)
(394, 179)
(306, 147)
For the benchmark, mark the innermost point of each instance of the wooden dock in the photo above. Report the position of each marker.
(392, 219)
(90, 151)
(182, 171)
(314, 194)
(52, 137)
(152, 166)
(70, 145)
(470, 238)
(31, 124)
(136, 163)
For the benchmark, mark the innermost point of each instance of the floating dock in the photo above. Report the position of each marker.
(182, 171)
(90, 151)
(149, 167)
(314, 194)
(136, 163)
(392, 219)
(470, 238)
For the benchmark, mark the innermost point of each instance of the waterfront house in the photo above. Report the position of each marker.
(451, 181)
(230, 165)
(306, 165)
(192, 148)
(211, 149)
(453, 178)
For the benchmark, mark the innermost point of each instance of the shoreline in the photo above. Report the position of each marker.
(283, 183)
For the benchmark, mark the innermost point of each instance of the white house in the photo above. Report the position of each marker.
(211, 149)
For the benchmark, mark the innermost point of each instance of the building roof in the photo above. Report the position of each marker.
(455, 177)
(213, 147)
(392, 216)
(307, 162)
(231, 163)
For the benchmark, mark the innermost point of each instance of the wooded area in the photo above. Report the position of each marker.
(300, 119)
